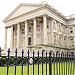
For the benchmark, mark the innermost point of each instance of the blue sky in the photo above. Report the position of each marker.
(67, 7)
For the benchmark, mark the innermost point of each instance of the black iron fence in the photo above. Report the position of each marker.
(45, 63)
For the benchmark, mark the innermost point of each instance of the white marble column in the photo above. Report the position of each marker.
(12, 39)
(58, 34)
(5, 39)
(52, 35)
(67, 39)
(18, 35)
(45, 28)
(34, 29)
(26, 34)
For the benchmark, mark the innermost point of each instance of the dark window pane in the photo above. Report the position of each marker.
(29, 41)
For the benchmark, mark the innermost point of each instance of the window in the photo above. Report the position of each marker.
(53, 22)
(22, 29)
(71, 42)
(38, 28)
(63, 29)
(48, 38)
(29, 29)
(29, 41)
(54, 25)
(64, 42)
(54, 39)
(71, 30)
(15, 30)
(47, 26)
(60, 41)
(59, 27)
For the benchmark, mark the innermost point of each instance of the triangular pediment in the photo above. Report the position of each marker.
(21, 9)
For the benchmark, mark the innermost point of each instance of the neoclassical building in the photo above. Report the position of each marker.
(40, 26)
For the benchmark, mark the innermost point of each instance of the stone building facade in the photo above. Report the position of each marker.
(40, 26)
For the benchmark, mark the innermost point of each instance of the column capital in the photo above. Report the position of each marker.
(25, 21)
(18, 23)
(44, 15)
(12, 25)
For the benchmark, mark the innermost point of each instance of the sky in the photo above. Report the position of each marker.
(67, 7)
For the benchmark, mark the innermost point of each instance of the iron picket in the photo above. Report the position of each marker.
(33, 62)
(8, 61)
(15, 61)
(22, 62)
(38, 62)
(46, 62)
(50, 64)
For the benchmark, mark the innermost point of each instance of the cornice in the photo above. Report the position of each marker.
(55, 11)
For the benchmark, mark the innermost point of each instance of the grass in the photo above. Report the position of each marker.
(58, 69)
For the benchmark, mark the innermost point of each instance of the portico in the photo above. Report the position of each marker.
(30, 30)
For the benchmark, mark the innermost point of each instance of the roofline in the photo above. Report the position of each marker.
(21, 4)
(41, 5)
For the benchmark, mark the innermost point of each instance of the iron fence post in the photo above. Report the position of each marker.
(66, 64)
(42, 62)
(15, 60)
(22, 61)
(74, 64)
(33, 62)
(54, 62)
(38, 62)
(59, 63)
(8, 61)
(50, 64)
(28, 62)
(46, 62)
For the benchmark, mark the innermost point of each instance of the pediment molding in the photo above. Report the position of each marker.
(20, 5)
(39, 6)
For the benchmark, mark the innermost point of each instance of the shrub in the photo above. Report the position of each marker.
(3, 60)
(11, 60)
(25, 60)
(19, 60)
